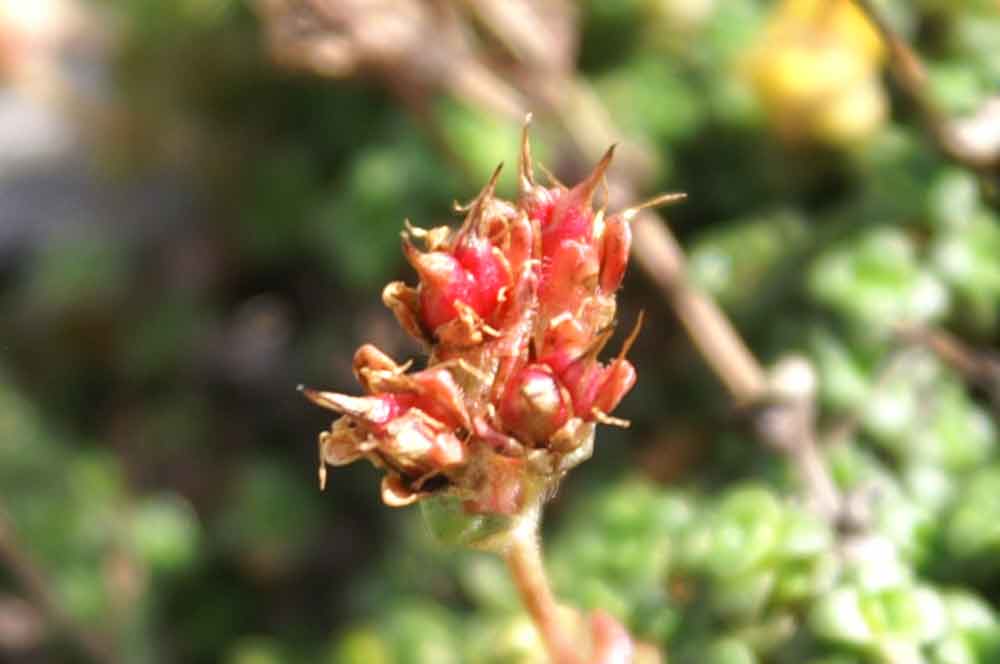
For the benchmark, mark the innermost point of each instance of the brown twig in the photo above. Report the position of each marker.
(972, 142)
(38, 589)
(785, 422)
(981, 368)
(663, 260)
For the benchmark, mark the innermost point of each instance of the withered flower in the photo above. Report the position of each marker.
(514, 308)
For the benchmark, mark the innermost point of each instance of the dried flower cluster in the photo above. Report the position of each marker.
(514, 308)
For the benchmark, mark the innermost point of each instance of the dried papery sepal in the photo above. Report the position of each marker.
(404, 302)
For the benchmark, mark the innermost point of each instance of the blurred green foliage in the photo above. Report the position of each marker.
(157, 465)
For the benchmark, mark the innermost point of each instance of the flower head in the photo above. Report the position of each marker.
(514, 308)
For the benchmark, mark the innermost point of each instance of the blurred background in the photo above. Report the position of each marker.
(200, 202)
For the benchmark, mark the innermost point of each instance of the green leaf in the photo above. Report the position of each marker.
(450, 524)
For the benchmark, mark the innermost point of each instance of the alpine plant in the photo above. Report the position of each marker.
(514, 309)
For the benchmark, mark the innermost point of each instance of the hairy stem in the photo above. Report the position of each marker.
(524, 559)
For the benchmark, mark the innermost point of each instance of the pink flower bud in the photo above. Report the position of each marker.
(615, 245)
(617, 381)
(443, 282)
(534, 405)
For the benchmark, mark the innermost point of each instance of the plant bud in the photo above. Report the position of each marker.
(534, 405)
(515, 307)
